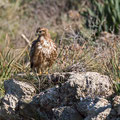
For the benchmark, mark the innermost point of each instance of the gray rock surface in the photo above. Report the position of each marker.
(77, 86)
(66, 113)
(80, 96)
(116, 104)
(15, 91)
(103, 115)
(91, 84)
(20, 90)
(94, 109)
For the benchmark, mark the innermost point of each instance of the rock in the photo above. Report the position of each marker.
(66, 113)
(59, 102)
(20, 90)
(90, 84)
(103, 115)
(116, 104)
(94, 109)
(31, 111)
(77, 86)
(15, 91)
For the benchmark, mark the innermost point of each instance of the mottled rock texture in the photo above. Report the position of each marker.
(15, 91)
(82, 96)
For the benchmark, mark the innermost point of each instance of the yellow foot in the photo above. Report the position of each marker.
(39, 74)
(46, 73)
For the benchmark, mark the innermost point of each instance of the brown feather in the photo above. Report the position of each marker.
(43, 51)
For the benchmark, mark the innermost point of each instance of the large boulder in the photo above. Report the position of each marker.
(66, 113)
(116, 104)
(63, 101)
(15, 91)
(76, 87)
(94, 109)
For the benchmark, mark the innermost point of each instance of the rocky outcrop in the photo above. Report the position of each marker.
(116, 104)
(96, 109)
(80, 96)
(16, 91)
(66, 113)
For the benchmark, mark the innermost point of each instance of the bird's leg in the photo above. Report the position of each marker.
(35, 71)
(47, 71)
(39, 72)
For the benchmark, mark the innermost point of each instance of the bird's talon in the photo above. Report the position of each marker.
(40, 73)
(46, 73)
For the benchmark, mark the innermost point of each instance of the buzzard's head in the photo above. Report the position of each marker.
(42, 32)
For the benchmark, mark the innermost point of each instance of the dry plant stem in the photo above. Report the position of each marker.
(26, 39)
(37, 76)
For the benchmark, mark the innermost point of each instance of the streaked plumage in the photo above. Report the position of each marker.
(43, 51)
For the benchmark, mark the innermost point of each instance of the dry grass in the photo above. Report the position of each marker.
(68, 54)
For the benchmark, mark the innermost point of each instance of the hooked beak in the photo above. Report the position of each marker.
(36, 34)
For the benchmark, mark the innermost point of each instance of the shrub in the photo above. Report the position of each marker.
(106, 15)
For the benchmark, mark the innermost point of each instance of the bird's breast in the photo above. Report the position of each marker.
(45, 48)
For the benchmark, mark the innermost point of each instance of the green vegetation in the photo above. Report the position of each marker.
(112, 66)
(106, 15)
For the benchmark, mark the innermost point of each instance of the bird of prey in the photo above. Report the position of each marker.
(43, 51)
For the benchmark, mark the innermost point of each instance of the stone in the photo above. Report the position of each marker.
(80, 95)
(21, 90)
(15, 91)
(94, 109)
(116, 104)
(77, 86)
(66, 113)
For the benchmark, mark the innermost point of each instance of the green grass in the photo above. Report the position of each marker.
(106, 15)
(112, 66)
